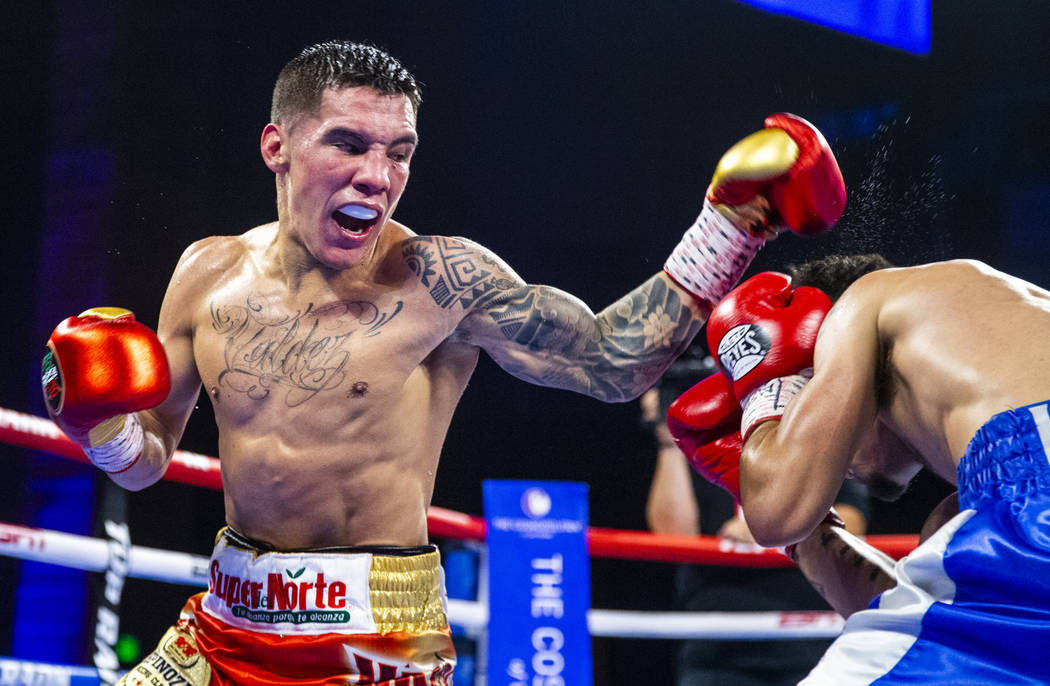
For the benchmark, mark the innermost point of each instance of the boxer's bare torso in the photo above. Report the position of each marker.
(960, 343)
(332, 393)
(909, 364)
(332, 396)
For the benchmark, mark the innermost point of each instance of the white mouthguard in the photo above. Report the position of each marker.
(359, 212)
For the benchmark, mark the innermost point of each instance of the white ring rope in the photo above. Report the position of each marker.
(90, 554)
(750, 626)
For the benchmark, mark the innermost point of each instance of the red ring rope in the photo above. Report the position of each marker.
(36, 433)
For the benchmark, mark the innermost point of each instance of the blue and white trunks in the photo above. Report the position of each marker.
(972, 603)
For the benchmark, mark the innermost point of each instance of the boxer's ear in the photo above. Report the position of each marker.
(273, 146)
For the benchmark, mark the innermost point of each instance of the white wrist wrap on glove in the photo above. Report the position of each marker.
(769, 400)
(123, 450)
(712, 255)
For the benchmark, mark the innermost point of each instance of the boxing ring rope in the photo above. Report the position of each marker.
(37, 433)
(90, 554)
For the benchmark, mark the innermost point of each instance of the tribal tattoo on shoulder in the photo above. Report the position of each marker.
(454, 272)
(296, 354)
(614, 355)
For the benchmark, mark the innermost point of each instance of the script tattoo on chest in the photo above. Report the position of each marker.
(299, 354)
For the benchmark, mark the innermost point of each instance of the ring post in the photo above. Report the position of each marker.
(537, 539)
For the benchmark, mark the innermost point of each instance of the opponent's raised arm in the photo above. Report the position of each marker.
(800, 432)
(120, 391)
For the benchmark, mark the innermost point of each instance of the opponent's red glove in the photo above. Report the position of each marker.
(790, 164)
(705, 423)
(763, 334)
(99, 367)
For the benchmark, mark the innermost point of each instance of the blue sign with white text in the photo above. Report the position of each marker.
(539, 583)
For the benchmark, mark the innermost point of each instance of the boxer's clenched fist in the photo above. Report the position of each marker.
(783, 174)
(100, 367)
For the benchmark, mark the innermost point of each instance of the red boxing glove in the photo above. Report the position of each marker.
(100, 365)
(764, 333)
(790, 164)
(705, 423)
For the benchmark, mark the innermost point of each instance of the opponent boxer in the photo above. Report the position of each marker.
(682, 502)
(939, 366)
(335, 343)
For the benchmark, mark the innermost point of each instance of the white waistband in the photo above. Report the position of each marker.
(300, 593)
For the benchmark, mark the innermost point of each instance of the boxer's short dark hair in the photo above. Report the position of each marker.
(338, 64)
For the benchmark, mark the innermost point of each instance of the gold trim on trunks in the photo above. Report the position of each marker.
(406, 593)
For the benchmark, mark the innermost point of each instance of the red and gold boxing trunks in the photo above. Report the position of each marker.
(373, 615)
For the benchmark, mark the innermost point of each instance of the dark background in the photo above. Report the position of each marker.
(573, 139)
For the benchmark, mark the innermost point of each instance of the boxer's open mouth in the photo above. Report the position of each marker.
(355, 219)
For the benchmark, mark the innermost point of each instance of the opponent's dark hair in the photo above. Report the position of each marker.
(835, 273)
(338, 64)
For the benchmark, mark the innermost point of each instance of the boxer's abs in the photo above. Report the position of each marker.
(332, 406)
(346, 493)
(353, 465)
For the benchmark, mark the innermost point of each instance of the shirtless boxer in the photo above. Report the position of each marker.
(335, 343)
(941, 366)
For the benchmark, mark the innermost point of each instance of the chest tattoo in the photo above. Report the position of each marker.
(298, 355)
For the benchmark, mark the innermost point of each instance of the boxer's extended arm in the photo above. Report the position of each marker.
(791, 469)
(785, 173)
(164, 424)
(548, 337)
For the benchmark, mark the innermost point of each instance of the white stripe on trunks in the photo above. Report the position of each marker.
(1042, 425)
